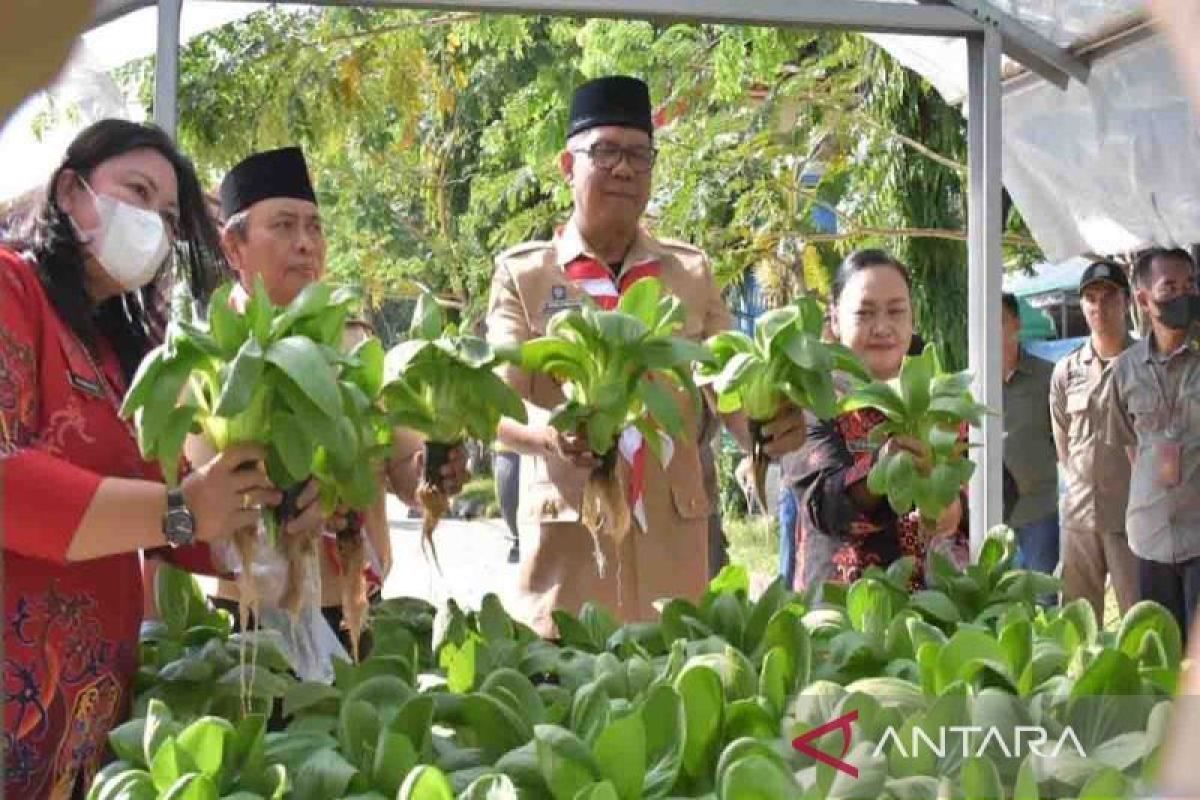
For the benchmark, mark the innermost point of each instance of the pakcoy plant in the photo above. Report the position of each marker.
(784, 361)
(619, 369)
(192, 732)
(708, 701)
(189, 657)
(277, 377)
(441, 382)
(160, 756)
(975, 653)
(934, 408)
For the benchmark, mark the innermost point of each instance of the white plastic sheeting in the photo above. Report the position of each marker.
(1106, 168)
(1110, 167)
(1065, 22)
(29, 148)
(87, 91)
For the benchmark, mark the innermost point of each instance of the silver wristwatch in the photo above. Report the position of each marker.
(179, 524)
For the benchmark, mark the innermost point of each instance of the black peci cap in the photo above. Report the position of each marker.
(273, 173)
(616, 100)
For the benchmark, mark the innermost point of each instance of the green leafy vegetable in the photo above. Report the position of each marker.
(442, 383)
(277, 377)
(785, 361)
(619, 369)
(929, 406)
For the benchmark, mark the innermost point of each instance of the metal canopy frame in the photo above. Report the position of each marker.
(989, 34)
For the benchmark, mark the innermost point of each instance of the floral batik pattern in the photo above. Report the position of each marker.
(837, 541)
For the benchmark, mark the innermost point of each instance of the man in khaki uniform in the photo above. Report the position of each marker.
(1154, 413)
(1097, 473)
(608, 161)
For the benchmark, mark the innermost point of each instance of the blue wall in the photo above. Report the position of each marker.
(745, 302)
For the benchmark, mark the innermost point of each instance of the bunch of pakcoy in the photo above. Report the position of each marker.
(280, 377)
(934, 694)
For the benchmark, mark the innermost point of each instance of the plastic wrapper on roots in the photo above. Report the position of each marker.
(269, 570)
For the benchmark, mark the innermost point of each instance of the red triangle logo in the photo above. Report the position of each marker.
(803, 743)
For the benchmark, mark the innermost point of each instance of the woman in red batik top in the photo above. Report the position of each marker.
(77, 501)
(843, 528)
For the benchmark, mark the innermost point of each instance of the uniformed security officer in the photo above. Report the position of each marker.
(1096, 472)
(600, 251)
(1154, 413)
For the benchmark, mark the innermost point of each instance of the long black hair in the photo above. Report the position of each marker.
(133, 321)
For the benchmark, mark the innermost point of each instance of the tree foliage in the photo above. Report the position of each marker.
(433, 139)
(906, 189)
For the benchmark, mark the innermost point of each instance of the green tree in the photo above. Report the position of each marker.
(434, 142)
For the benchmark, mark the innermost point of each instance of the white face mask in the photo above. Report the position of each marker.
(130, 242)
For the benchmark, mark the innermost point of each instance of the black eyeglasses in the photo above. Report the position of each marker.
(606, 156)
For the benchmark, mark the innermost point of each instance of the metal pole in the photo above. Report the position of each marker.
(866, 16)
(166, 67)
(985, 275)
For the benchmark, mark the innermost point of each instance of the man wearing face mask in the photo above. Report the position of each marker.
(1154, 413)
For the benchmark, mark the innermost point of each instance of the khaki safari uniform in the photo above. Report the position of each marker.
(1154, 407)
(670, 558)
(1097, 475)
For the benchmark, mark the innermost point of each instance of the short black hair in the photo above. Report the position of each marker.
(916, 345)
(1144, 266)
(1009, 302)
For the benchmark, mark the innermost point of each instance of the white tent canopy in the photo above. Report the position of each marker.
(89, 90)
(1111, 167)
(1108, 166)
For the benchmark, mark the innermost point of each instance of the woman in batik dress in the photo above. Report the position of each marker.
(77, 501)
(843, 527)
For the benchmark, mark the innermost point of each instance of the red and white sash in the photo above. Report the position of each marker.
(596, 280)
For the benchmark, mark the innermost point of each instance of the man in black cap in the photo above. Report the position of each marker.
(272, 223)
(273, 231)
(598, 253)
(1096, 472)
